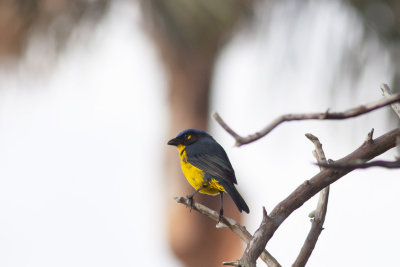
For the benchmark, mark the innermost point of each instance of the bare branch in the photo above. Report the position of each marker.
(256, 244)
(320, 212)
(318, 152)
(362, 165)
(386, 93)
(309, 188)
(234, 226)
(227, 128)
(369, 149)
(327, 115)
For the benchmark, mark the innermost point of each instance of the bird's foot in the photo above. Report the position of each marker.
(190, 198)
(221, 214)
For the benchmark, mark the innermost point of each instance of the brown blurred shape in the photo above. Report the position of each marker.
(189, 34)
(19, 19)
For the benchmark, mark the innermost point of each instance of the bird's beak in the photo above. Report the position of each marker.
(173, 142)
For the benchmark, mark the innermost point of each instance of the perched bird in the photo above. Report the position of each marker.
(206, 166)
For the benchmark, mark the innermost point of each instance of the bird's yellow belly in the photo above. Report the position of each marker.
(195, 177)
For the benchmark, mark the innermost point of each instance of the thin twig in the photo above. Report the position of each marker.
(309, 188)
(386, 91)
(370, 136)
(327, 115)
(319, 213)
(362, 165)
(234, 226)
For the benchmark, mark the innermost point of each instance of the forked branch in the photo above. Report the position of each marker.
(318, 216)
(387, 92)
(329, 174)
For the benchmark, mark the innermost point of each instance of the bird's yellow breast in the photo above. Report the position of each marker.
(195, 176)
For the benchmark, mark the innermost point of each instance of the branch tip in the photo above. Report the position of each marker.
(265, 214)
(387, 92)
(385, 88)
(370, 136)
(311, 137)
(215, 115)
(311, 214)
(179, 199)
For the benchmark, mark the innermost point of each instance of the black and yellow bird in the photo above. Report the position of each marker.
(206, 166)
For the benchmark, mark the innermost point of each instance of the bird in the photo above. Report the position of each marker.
(207, 168)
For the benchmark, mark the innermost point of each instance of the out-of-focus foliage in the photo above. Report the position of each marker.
(190, 26)
(382, 16)
(19, 19)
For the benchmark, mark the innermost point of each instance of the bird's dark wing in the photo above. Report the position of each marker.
(207, 155)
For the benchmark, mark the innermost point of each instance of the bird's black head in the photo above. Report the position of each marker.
(187, 137)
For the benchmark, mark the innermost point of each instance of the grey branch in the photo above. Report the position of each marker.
(256, 244)
(387, 92)
(366, 152)
(362, 165)
(327, 115)
(234, 226)
(319, 213)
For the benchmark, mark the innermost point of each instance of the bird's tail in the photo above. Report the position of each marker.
(236, 197)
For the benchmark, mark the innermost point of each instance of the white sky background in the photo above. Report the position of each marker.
(77, 182)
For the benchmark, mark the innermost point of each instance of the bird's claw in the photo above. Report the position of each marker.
(190, 198)
(221, 214)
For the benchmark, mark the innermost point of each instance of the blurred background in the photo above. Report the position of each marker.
(92, 90)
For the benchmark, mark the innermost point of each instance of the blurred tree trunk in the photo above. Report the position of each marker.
(193, 238)
(189, 35)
